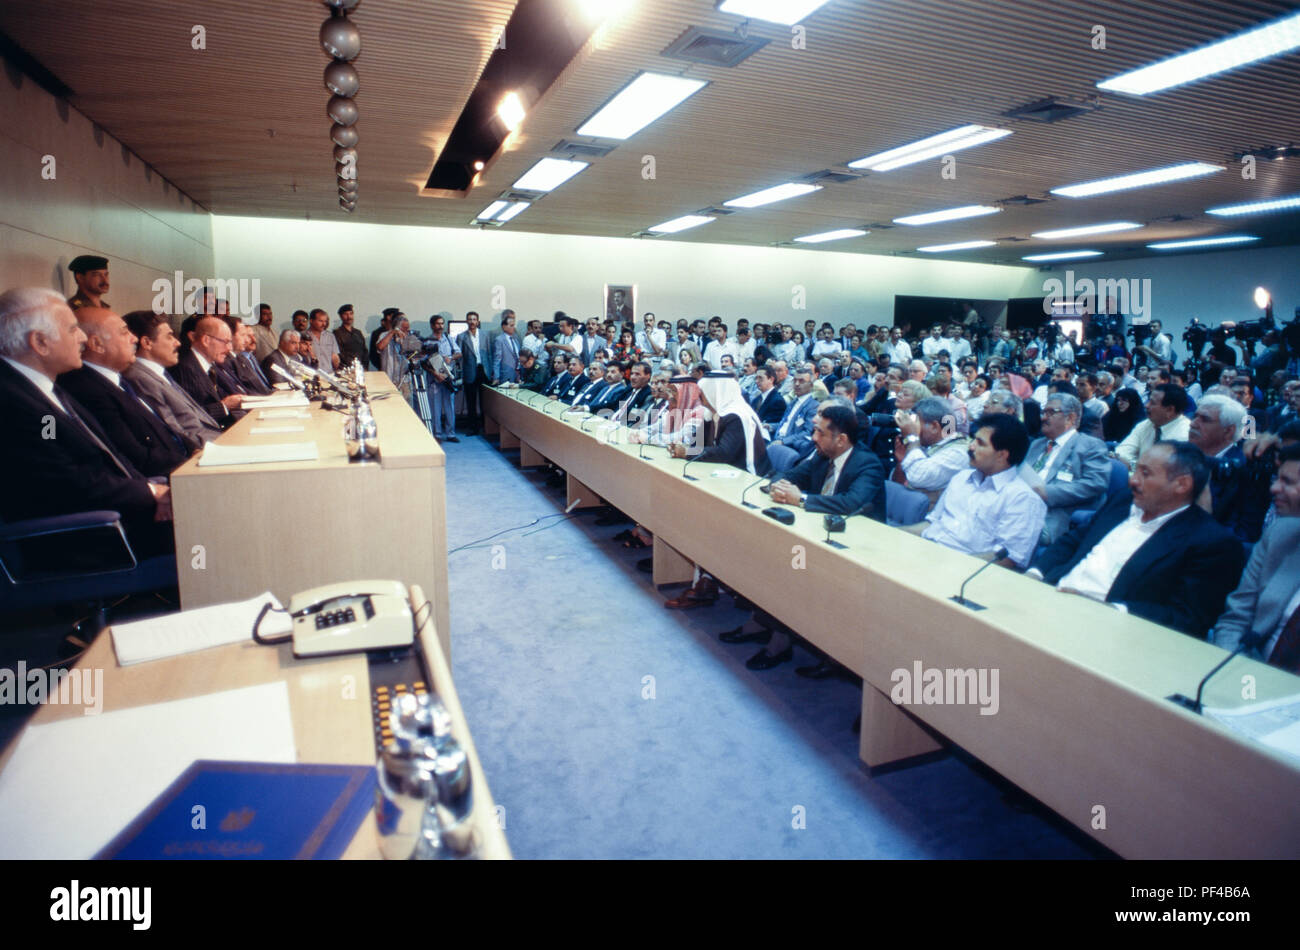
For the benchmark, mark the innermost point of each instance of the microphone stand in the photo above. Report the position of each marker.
(748, 504)
(961, 594)
(1248, 642)
(689, 478)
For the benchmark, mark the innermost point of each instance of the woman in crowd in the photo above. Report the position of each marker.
(1123, 416)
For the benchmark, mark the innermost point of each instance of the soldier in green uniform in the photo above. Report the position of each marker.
(91, 274)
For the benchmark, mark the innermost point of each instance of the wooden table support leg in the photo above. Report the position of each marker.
(584, 496)
(509, 440)
(670, 566)
(889, 734)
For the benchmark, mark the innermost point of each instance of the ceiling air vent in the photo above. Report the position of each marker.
(581, 150)
(1024, 200)
(713, 47)
(716, 211)
(832, 175)
(1053, 109)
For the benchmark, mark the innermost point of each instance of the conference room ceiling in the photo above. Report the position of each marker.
(241, 125)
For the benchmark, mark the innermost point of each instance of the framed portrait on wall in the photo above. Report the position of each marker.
(620, 302)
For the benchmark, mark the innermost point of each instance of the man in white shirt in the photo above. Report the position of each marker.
(825, 345)
(745, 345)
(934, 451)
(569, 342)
(323, 343)
(960, 348)
(720, 346)
(787, 350)
(987, 508)
(652, 341)
(535, 340)
(1165, 422)
(1159, 348)
(900, 353)
(935, 342)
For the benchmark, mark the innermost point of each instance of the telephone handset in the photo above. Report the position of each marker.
(351, 617)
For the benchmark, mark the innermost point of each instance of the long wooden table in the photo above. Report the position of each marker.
(289, 526)
(330, 725)
(1083, 722)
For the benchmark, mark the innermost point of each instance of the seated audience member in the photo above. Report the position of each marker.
(1288, 407)
(736, 436)
(1237, 494)
(157, 350)
(1243, 390)
(242, 361)
(978, 397)
(941, 386)
(196, 371)
(1266, 605)
(933, 451)
(581, 396)
(78, 469)
(769, 403)
(285, 356)
(532, 372)
(988, 506)
(1165, 422)
(839, 478)
(1125, 413)
(1068, 470)
(133, 428)
(566, 385)
(682, 420)
(792, 437)
(1152, 552)
(616, 388)
(1002, 402)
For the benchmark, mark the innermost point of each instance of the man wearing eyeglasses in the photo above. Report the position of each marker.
(1067, 469)
(196, 370)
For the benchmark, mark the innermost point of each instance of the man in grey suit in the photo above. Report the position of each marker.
(505, 354)
(157, 349)
(476, 359)
(1068, 470)
(1267, 602)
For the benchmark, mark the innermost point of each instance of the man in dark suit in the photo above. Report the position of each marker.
(157, 349)
(196, 371)
(769, 403)
(283, 356)
(243, 363)
(562, 383)
(1238, 491)
(1152, 552)
(840, 477)
(1287, 409)
(476, 359)
(505, 353)
(1267, 604)
(634, 404)
(581, 395)
(615, 389)
(58, 459)
(133, 428)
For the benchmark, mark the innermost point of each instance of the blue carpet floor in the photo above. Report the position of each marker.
(558, 639)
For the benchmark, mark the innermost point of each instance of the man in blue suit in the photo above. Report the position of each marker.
(1267, 603)
(792, 439)
(580, 395)
(562, 384)
(769, 403)
(615, 389)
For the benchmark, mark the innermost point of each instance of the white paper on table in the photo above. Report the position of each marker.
(192, 630)
(283, 414)
(270, 430)
(276, 401)
(72, 785)
(214, 453)
(1272, 722)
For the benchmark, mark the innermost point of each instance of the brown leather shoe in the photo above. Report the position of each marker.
(703, 594)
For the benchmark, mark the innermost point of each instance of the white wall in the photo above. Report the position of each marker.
(306, 264)
(99, 201)
(1212, 287)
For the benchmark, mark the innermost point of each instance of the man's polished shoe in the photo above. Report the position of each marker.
(820, 671)
(703, 594)
(762, 660)
(451, 438)
(739, 636)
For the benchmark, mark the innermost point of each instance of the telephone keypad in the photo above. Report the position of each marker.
(335, 618)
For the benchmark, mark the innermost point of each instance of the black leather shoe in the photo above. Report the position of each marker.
(762, 660)
(624, 535)
(739, 636)
(451, 438)
(823, 670)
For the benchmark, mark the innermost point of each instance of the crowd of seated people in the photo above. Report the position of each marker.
(1110, 474)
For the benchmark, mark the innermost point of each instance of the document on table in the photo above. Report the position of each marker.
(277, 401)
(283, 414)
(272, 430)
(192, 630)
(72, 785)
(1274, 722)
(216, 454)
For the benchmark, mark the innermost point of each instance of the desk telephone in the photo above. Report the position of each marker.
(350, 617)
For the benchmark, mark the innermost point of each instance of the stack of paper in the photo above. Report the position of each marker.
(277, 401)
(216, 454)
(283, 414)
(198, 629)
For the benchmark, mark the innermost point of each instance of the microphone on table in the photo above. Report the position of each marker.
(689, 478)
(749, 504)
(833, 524)
(1248, 642)
(276, 367)
(641, 452)
(998, 555)
(613, 431)
(547, 407)
(583, 425)
(533, 396)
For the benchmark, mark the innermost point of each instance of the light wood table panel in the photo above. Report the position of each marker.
(1083, 721)
(285, 527)
(331, 724)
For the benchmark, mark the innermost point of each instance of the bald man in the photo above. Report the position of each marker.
(132, 426)
(211, 342)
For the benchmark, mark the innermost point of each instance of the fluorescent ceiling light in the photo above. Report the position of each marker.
(1244, 48)
(1156, 176)
(963, 246)
(1203, 242)
(941, 144)
(511, 110)
(952, 214)
(767, 196)
(644, 99)
(1257, 207)
(681, 224)
(549, 173)
(1088, 229)
(785, 12)
(492, 210)
(1061, 256)
(513, 210)
(831, 235)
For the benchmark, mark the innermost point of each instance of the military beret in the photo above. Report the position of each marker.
(87, 262)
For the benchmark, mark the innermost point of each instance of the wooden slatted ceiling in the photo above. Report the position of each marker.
(873, 75)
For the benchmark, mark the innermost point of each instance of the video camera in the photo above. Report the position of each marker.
(1140, 332)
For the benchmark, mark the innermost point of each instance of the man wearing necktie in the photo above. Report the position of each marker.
(59, 460)
(505, 354)
(475, 361)
(243, 362)
(196, 371)
(133, 428)
(157, 349)
(1071, 471)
